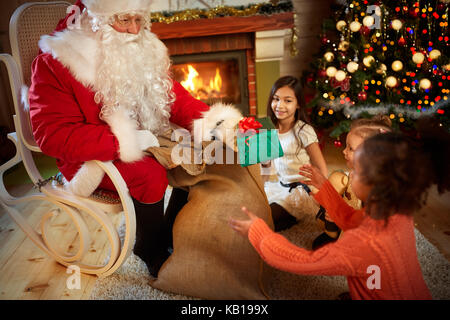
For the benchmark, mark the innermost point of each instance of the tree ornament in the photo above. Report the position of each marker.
(435, 54)
(362, 96)
(365, 31)
(352, 66)
(322, 73)
(340, 25)
(391, 82)
(368, 61)
(424, 84)
(355, 26)
(343, 45)
(397, 65)
(337, 143)
(331, 71)
(368, 21)
(396, 24)
(413, 12)
(329, 56)
(340, 75)
(418, 57)
(401, 41)
(382, 69)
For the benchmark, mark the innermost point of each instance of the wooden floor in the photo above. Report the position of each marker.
(28, 273)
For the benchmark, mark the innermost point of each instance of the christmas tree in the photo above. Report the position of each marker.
(388, 57)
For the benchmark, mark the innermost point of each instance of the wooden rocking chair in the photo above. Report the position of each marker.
(27, 24)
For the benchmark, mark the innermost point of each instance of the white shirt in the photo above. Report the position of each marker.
(294, 157)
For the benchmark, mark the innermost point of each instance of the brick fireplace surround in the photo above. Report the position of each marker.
(262, 38)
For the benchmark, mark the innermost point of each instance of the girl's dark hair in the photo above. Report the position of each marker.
(296, 86)
(400, 169)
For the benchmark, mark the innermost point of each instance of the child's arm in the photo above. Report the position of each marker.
(345, 216)
(317, 159)
(282, 254)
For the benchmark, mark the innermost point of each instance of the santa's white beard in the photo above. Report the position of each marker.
(133, 74)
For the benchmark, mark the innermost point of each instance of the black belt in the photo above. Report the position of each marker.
(294, 185)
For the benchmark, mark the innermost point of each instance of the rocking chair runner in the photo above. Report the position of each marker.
(27, 24)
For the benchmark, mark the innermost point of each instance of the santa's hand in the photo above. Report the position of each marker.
(146, 139)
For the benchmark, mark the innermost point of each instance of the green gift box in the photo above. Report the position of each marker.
(258, 145)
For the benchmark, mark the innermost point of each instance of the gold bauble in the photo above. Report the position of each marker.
(425, 84)
(396, 24)
(340, 25)
(355, 26)
(434, 54)
(391, 81)
(352, 66)
(382, 69)
(340, 75)
(368, 60)
(329, 56)
(331, 71)
(418, 58)
(397, 65)
(368, 21)
(343, 45)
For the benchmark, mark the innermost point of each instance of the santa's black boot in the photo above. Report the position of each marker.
(178, 199)
(152, 235)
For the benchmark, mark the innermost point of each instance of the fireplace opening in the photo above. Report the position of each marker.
(214, 77)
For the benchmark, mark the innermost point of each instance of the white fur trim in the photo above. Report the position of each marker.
(86, 180)
(220, 122)
(125, 130)
(111, 7)
(77, 50)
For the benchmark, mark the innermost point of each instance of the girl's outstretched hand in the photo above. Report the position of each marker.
(242, 226)
(313, 174)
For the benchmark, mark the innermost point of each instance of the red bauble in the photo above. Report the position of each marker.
(324, 40)
(337, 143)
(413, 13)
(362, 96)
(322, 73)
(365, 31)
(401, 41)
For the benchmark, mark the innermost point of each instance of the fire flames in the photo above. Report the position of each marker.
(199, 88)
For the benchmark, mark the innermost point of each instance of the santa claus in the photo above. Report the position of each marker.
(101, 90)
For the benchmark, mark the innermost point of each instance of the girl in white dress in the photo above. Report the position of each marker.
(288, 198)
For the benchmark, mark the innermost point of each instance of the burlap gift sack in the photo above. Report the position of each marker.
(210, 260)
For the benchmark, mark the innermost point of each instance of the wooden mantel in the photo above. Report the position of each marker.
(223, 25)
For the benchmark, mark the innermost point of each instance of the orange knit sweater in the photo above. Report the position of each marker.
(380, 262)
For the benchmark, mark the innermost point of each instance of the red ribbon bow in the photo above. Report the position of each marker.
(249, 124)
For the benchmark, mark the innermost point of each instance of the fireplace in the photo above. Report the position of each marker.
(230, 48)
(214, 77)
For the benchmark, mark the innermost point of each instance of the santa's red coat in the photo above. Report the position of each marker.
(66, 125)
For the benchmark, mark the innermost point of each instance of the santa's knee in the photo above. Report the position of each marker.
(150, 183)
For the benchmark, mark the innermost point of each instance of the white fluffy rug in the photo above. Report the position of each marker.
(131, 281)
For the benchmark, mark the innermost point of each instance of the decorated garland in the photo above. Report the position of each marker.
(273, 7)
